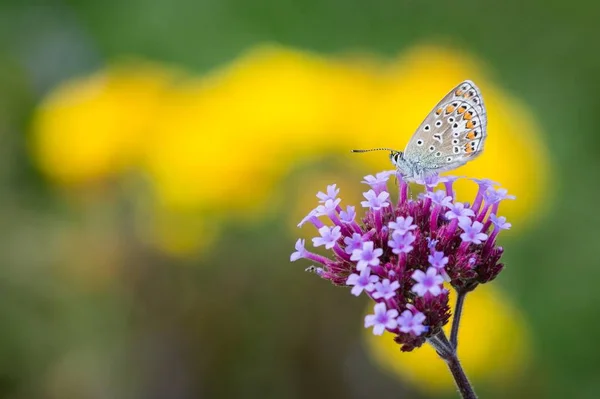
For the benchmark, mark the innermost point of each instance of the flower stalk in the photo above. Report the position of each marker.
(460, 378)
(460, 301)
(448, 353)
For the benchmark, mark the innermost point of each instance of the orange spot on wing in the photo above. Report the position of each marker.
(470, 125)
(468, 148)
(439, 111)
(467, 116)
(471, 135)
(462, 109)
(459, 92)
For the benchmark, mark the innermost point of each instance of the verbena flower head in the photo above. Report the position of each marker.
(401, 251)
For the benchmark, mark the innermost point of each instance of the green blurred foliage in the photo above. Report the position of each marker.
(237, 323)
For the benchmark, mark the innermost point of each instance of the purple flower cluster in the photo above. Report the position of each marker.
(401, 252)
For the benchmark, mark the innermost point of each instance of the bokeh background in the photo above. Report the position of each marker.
(156, 157)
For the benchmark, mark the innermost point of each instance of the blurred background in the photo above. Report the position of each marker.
(156, 157)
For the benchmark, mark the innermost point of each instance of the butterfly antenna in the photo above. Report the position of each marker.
(374, 149)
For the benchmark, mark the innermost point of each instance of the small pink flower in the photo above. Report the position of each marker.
(382, 319)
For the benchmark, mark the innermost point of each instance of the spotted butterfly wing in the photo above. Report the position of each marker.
(453, 133)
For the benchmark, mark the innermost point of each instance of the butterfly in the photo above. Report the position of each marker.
(451, 135)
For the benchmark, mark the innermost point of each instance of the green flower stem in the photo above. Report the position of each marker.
(447, 352)
(460, 300)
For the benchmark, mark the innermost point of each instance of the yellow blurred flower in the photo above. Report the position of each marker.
(493, 346)
(235, 133)
(218, 144)
(92, 127)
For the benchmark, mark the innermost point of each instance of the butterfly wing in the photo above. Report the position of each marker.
(452, 134)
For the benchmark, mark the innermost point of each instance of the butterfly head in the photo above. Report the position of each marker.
(395, 156)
